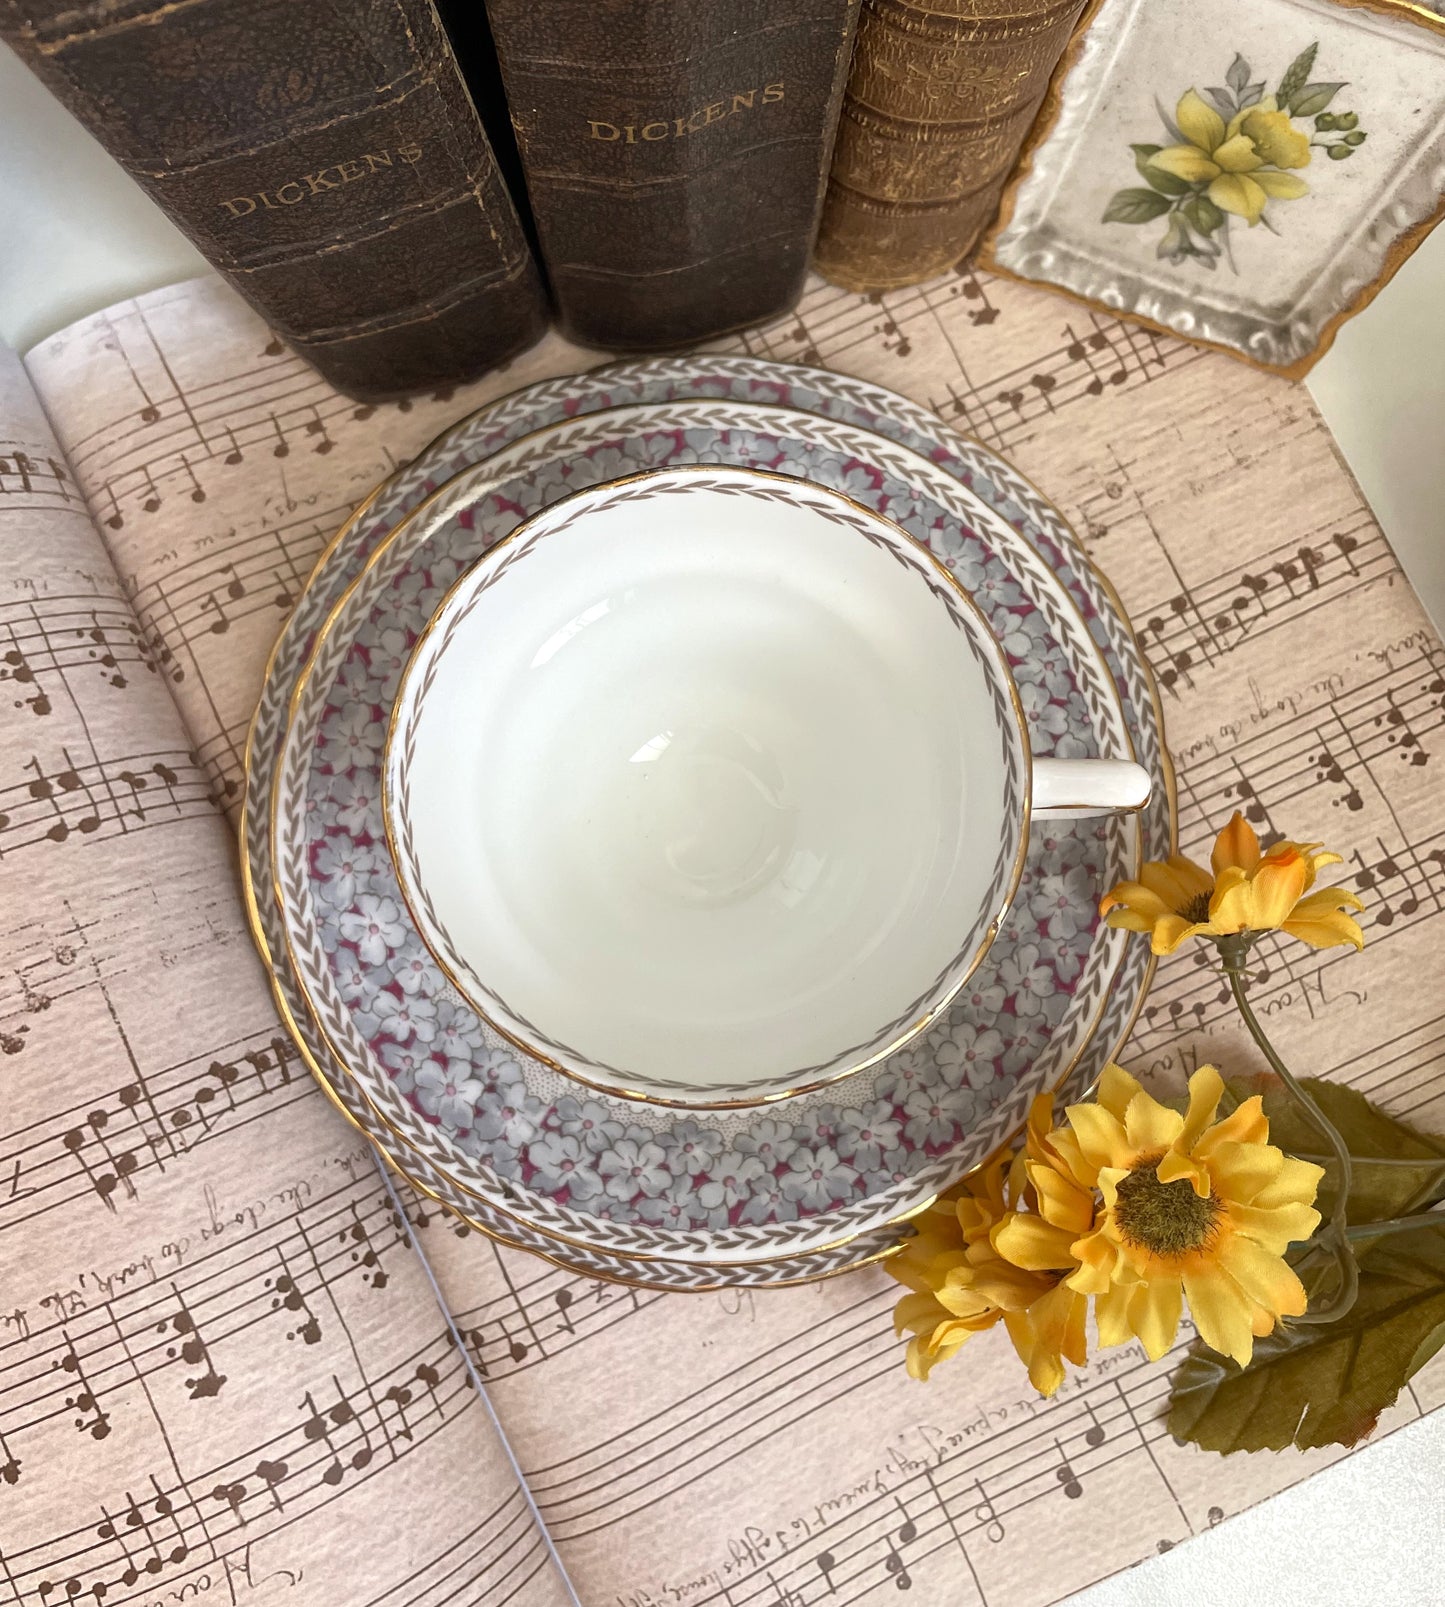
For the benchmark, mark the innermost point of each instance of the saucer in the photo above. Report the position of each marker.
(500, 1126)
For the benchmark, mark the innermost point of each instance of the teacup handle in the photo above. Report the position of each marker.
(1073, 789)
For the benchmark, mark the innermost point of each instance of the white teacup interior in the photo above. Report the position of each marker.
(705, 789)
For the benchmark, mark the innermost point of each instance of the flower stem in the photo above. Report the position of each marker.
(1343, 1297)
(1396, 1224)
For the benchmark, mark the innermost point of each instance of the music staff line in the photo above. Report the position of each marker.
(1093, 356)
(110, 1144)
(297, 1475)
(190, 1314)
(268, 409)
(1196, 628)
(32, 481)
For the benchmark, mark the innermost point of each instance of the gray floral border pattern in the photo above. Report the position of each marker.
(817, 392)
(427, 660)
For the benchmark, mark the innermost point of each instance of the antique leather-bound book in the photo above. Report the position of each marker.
(675, 153)
(324, 155)
(939, 102)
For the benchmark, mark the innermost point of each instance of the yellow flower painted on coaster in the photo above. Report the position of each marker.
(1246, 889)
(1232, 151)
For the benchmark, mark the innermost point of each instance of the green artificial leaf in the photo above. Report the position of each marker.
(1314, 98)
(1309, 1386)
(1296, 76)
(1135, 206)
(1202, 213)
(1165, 183)
(1377, 1192)
(1238, 75)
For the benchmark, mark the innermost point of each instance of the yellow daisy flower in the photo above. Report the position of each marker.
(1230, 158)
(1192, 1209)
(961, 1286)
(1245, 890)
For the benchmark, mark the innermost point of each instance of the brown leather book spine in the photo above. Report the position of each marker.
(675, 153)
(939, 103)
(324, 155)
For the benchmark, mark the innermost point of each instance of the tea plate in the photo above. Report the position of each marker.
(817, 392)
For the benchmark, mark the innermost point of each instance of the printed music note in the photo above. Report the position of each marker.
(319, 1427)
(515, 1348)
(152, 499)
(103, 651)
(826, 1564)
(234, 588)
(120, 1166)
(271, 1475)
(563, 1299)
(1400, 735)
(17, 668)
(907, 1534)
(315, 427)
(1328, 768)
(289, 1297)
(92, 1419)
(136, 1526)
(1066, 1476)
(368, 1257)
(972, 290)
(235, 455)
(231, 1495)
(1094, 1435)
(987, 1514)
(192, 1350)
(222, 622)
(281, 449)
(63, 783)
(10, 1465)
(277, 1057)
(197, 491)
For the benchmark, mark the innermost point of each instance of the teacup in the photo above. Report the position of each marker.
(710, 786)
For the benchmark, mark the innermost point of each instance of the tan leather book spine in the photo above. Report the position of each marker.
(939, 102)
(324, 155)
(675, 153)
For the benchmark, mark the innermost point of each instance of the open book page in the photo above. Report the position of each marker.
(766, 1450)
(223, 1373)
(217, 465)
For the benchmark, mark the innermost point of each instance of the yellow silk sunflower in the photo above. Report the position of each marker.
(1192, 1209)
(961, 1286)
(1231, 158)
(1245, 890)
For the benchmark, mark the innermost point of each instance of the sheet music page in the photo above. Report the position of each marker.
(767, 1450)
(223, 1373)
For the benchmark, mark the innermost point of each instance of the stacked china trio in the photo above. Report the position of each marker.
(677, 812)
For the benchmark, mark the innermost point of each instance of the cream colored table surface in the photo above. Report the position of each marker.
(76, 234)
